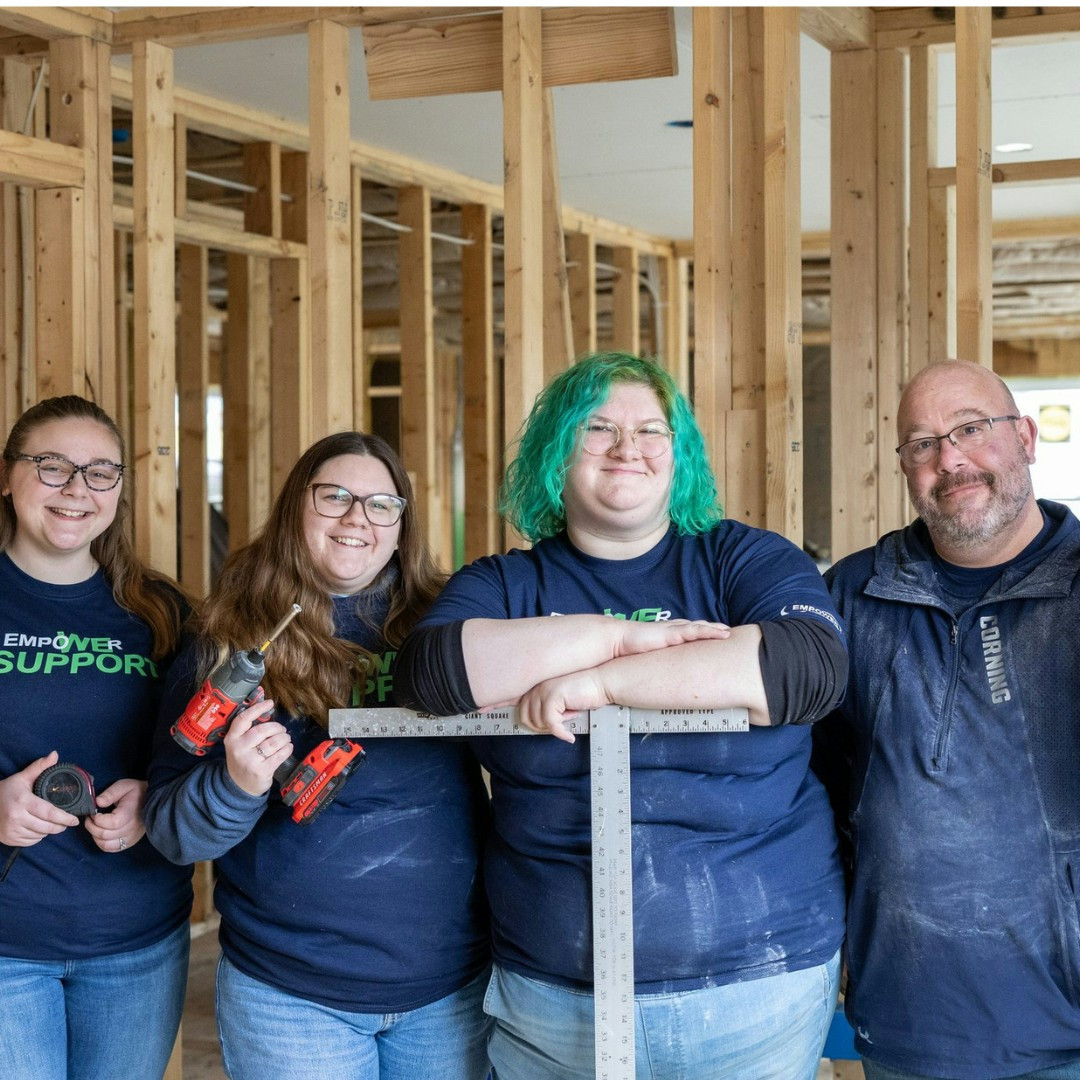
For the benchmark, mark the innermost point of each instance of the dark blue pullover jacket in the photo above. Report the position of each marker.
(953, 763)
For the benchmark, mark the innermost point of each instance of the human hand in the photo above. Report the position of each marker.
(547, 706)
(638, 637)
(255, 748)
(25, 819)
(122, 826)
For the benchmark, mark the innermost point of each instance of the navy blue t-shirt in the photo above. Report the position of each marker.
(377, 905)
(736, 874)
(76, 677)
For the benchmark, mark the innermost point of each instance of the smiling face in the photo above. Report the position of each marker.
(55, 526)
(617, 503)
(978, 505)
(348, 553)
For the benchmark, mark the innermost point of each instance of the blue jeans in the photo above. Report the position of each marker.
(266, 1032)
(766, 1029)
(109, 1017)
(1069, 1071)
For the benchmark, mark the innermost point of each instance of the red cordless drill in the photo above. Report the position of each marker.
(308, 786)
(232, 686)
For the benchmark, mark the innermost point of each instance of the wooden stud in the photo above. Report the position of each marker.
(262, 170)
(558, 332)
(294, 214)
(626, 301)
(941, 276)
(481, 420)
(523, 257)
(329, 228)
(446, 417)
(901, 28)
(39, 163)
(193, 377)
(360, 379)
(974, 254)
(581, 282)
(418, 434)
(922, 156)
(744, 450)
(290, 400)
(783, 282)
(579, 45)
(80, 116)
(155, 307)
(122, 322)
(674, 318)
(712, 226)
(854, 290)
(180, 199)
(892, 287)
(60, 312)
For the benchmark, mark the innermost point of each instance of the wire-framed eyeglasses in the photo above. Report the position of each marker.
(652, 440)
(56, 471)
(334, 501)
(969, 435)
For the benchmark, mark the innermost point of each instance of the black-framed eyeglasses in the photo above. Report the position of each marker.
(57, 472)
(334, 501)
(969, 435)
(652, 440)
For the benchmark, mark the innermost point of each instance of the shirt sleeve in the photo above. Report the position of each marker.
(804, 668)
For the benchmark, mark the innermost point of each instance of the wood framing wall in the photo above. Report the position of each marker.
(104, 286)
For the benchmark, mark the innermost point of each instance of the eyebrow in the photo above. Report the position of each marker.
(958, 417)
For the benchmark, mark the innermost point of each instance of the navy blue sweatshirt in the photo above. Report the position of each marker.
(736, 874)
(377, 905)
(76, 677)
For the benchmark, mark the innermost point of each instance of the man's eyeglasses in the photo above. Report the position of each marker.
(600, 437)
(969, 435)
(57, 472)
(333, 501)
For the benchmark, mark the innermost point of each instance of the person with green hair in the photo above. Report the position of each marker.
(638, 592)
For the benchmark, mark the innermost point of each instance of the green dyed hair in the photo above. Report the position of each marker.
(549, 443)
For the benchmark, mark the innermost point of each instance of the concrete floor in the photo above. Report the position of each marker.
(202, 1053)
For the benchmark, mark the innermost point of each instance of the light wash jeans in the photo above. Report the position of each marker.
(765, 1029)
(1069, 1071)
(109, 1017)
(266, 1033)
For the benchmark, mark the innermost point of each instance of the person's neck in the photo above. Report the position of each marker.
(69, 568)
(602, 545)
(999, 549)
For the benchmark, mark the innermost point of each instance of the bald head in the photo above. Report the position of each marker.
(960, 387)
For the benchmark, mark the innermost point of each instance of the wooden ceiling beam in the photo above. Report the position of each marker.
(839, 29)
(178, 27)
(1018, 172)
(900, 28)
(58, 22)
(579, 45)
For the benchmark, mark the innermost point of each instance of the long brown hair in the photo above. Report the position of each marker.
(148, 595)
(309, 669)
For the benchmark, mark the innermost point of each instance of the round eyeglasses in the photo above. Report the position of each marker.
(57, 472)
(333, 501)
(652, 440)
(969, 435)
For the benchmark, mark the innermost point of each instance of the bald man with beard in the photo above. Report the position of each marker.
(953, 763)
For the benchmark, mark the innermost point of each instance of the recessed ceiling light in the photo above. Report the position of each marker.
(1013, 147)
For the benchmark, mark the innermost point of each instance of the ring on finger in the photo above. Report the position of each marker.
(121, 844)
(259, 750)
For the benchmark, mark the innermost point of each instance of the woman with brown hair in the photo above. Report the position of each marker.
(355, 946)
(93, 923)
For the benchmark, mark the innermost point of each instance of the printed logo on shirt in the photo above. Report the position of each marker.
(809, 609)
(68, 654)
(379, 684)
(994, 659)
(645, 614)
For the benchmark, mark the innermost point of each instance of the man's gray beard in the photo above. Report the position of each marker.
(1009, 493)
